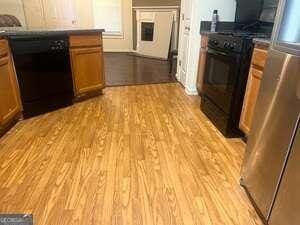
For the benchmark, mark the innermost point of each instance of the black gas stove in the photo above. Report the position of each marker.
(226, 72)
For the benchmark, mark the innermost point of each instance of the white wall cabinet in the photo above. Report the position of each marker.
(50, 14)
(34, 13)
(13, 7)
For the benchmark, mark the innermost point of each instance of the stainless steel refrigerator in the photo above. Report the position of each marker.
(271, 169)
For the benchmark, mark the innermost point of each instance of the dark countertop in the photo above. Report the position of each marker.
(262, 41)
(23, 31)
(205, 32)
(261, 35)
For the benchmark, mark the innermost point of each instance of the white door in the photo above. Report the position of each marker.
(51, 13)
(184, 40)
(161, 23)
(34, 13)
(59, 13)
(67, 13)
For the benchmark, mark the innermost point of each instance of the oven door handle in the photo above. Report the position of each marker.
(217, 53)
(226, 56)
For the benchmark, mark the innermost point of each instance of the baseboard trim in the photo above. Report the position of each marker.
(149, 57)
(191, 91)
(155, 7)
(118, 50)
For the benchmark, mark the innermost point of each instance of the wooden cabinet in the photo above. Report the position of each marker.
(10, 104)
(253, 85)
(202, 62)
(87, 64)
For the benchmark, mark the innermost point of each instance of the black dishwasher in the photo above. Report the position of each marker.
(44, 72)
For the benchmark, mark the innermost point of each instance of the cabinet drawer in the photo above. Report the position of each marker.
(4, 50)
(86, 40)
(252, 90)
(259, 57)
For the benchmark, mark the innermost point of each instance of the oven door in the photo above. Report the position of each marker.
(220, 78)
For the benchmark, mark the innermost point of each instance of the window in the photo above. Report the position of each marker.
(108, 15)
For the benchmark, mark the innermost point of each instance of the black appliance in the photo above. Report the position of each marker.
(255, 11)
(248, 11)
(226, 73)
(44, 72)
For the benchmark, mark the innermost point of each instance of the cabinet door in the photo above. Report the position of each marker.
(88, 73)
(252, 91)
(51, 13)
(34, 13)
(9, 98)
(201, 69)
(201, 65)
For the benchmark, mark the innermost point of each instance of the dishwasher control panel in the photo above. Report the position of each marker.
(58, 45)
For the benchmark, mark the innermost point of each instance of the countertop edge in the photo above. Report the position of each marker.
(262, 41)
(8, 33)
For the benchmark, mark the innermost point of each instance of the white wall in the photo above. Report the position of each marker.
(114, 43)
(13, 7)
(124, 43)
(226, 9)
(202, 10)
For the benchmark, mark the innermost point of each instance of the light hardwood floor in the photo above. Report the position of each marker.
(142, 155)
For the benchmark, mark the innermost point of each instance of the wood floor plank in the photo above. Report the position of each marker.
(138, 155)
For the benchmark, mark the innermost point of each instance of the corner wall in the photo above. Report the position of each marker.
(202, 10)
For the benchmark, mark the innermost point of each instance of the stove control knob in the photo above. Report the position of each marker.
(215, 42)
(231, 46)
(226, 45)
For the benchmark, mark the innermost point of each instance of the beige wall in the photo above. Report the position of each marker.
(156, 2)
(85, 20)
(13, 7)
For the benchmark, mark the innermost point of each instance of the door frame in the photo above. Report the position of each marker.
(181, 42)
(193, 50)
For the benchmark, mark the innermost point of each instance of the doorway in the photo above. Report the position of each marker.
(184, 40)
